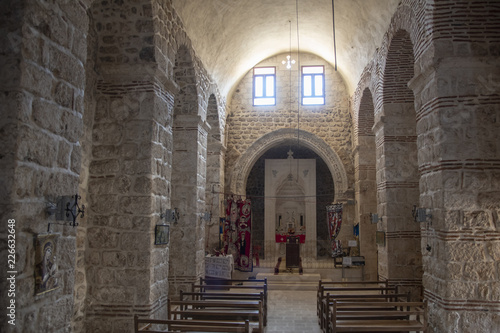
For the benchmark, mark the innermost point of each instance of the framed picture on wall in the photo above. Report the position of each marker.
(162, 234)
(46, 272)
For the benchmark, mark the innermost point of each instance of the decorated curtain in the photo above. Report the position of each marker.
(238, 233)
(334, 216)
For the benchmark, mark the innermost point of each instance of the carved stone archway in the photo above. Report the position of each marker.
(244, 164)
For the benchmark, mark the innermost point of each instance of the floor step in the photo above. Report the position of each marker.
(291, 281)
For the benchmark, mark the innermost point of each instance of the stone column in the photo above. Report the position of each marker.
(213, 194)
(128, 181)
(458, 107)
(366, 203)
(188, 196)
(41, 98)
(398, 191)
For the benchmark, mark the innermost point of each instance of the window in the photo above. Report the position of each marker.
(313, 85)
(264, 87)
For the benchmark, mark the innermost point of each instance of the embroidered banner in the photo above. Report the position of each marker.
(238, 233)
(334, 216)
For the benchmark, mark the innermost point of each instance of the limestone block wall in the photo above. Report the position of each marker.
(455, 98)
(141, 53)
(330, 122)
(457, 103)
(42, 120)
(88, 99)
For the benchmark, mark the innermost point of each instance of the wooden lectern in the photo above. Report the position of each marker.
(292, 252)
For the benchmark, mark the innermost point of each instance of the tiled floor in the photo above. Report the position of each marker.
(292, 311)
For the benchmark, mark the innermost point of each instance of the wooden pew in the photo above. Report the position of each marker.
(199, 296)
(352, 287)
(405, 317)
(218, 310)
(323, 285)
(168, 326)
(330, 298)
(223, 282)
(243, 286)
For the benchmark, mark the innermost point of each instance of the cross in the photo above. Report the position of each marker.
(290, 153)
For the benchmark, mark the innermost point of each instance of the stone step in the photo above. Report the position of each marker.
(290, 281)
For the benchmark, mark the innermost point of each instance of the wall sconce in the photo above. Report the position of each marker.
(170, 215)
(421, 214)
(205, 217)
(66, 208)
(374, 218)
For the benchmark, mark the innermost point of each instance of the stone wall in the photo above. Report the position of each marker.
(42, 92)
(455, 97)
(329, 123)
(150, 88)
(117, 154)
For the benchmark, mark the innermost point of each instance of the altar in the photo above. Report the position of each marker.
(292, 252)
(290, 185)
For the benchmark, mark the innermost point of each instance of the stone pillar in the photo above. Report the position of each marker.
(188, 196)
(128, 184)
(213, 194)
(457, 99)
(41, 98)
(366, 203)
(398, 191)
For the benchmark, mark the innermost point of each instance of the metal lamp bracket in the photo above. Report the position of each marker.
(170, 215)
(421, 215)
(374, 218)
(66, 208)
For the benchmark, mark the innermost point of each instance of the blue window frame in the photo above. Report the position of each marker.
(313, 85)
(264, 86)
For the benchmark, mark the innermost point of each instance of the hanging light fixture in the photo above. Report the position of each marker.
(289, 61)
(334, 42)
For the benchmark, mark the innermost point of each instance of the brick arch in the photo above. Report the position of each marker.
(244, 164)
(186, 100)
(407, 28)
(398, 69)
(365, 118)
(396, 146)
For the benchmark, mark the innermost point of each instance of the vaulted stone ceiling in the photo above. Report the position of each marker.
(232, 36)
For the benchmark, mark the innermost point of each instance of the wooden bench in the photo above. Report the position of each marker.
(243, 286)
(223, 282)
(169, 326)
(405, 317)
(329, 299)
(322, 285)
(200, 296)
(350, 289)
(218, 310)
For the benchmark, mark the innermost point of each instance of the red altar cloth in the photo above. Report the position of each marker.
(281, 238)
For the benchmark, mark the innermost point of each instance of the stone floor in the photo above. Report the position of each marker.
(292, 311)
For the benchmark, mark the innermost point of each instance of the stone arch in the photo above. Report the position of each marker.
(189, 151)
(397, 165)
(246, 161)
(398, 69)
(186, 100)
(365, 118)
(408, 20)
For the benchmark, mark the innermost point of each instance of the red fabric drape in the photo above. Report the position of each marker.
(238, 233)
(334, 215)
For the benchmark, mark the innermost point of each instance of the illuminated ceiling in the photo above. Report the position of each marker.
(232, 36)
